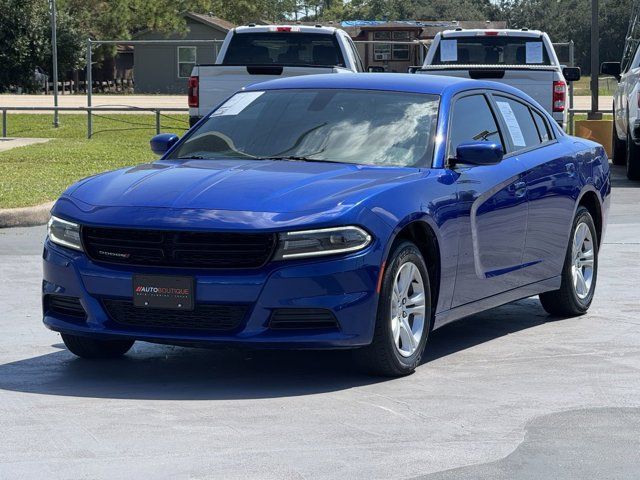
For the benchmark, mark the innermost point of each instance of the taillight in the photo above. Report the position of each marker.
(559, 96)
(193, 93)
(283, 29)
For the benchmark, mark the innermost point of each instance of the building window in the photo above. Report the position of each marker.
(401, 52)
(186, 61)
(381, 51)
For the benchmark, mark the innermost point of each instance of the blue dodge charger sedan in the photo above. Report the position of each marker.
(331, 211)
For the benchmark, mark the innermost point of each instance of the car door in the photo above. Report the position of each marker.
(492, 207)
(551, 177)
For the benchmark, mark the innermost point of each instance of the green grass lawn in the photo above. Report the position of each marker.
(606, 86)
(38, 173)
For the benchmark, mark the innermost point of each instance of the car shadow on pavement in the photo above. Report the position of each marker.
(175, 373)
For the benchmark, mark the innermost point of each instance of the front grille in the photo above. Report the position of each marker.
(203, 317)
(178, 249)
(302, 318)
(63, 305)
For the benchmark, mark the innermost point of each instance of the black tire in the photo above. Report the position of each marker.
(633, 159)
(382, 357)
(618, 147)
(90, 348)
(565, 302)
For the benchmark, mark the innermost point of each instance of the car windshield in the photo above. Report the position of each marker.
(491, 50)
(330, 125)
(269, 48)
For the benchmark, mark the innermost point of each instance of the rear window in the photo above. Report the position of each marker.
(284, 48)
(491, 50)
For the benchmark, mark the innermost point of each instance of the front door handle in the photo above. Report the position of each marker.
(518, 189)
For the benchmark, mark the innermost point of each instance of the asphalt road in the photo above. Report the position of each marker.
(508, 394)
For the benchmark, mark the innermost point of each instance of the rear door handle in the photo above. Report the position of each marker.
(518, 189)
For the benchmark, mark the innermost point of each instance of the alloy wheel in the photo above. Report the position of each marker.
(408, 309)
(583, 260)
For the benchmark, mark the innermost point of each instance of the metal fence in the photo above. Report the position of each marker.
(93, 43)
(158, 112)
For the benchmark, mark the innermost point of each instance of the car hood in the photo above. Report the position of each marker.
(255, 186)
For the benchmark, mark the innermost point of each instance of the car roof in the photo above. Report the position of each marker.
(396, 82)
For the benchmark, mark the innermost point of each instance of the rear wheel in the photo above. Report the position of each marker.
(579, 273)
(633, 159)
(618, 147)
(404, 316)
(90, 348)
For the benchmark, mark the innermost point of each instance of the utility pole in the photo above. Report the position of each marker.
(54, 49)
(594, 114)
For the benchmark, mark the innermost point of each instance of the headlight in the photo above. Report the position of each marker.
(64, 233)
(326, 241)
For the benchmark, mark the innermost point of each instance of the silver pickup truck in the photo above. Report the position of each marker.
(255, 54)
(524, 59)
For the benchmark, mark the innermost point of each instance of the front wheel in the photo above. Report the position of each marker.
(85, 347)
(579, 273)
(404, 316)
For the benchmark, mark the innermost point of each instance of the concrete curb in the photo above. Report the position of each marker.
(25, 216)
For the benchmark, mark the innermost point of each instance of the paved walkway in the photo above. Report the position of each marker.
(9, 143)
(146, 101)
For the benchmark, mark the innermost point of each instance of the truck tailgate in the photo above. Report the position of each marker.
(218, 82)
(537, 82)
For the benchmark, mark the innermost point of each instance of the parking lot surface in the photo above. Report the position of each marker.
(508, 394)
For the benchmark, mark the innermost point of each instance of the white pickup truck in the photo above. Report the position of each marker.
(254, 54)
(524, 59)
(626, 114)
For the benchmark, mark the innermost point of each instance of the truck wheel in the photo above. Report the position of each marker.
(579, 273)
(633, 159)
(404, 316)
(618, 147)
(85, 347)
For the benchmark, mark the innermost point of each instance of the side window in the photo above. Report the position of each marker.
(521, 128)
(472, 120)
(543, 127)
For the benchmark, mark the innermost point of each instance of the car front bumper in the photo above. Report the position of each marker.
(344, 286)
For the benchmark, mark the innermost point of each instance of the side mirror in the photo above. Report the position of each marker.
(571, 74)
(375, 69)
(611, 68)
(160, 144)
(479, 153)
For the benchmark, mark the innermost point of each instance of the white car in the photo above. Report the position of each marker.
(626, 124)
(255, 54)
(524, 59)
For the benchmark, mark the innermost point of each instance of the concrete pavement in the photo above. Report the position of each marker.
(508, 394)
(9, 143)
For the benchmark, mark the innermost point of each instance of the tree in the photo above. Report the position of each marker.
(25, 36)
(571, 20)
